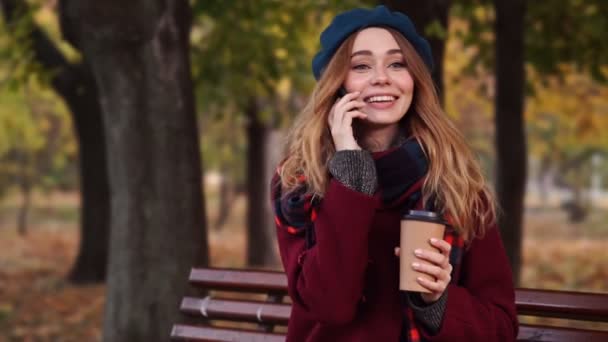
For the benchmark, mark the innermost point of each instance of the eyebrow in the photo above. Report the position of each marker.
(369, 53)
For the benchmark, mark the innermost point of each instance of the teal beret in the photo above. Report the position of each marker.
(346, 23)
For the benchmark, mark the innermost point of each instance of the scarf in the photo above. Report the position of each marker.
(401, 171)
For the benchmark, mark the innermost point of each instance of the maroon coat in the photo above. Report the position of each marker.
(345, 287)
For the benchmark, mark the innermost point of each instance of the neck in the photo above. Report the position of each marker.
(378, 138)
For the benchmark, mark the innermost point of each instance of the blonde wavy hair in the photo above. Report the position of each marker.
(454, 177)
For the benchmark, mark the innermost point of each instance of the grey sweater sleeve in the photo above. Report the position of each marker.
(429, 315)
(355, 169)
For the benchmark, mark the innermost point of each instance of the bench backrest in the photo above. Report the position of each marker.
(273, 311)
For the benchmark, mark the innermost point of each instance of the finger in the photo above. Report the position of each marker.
(433, 286)
(352, 107)
(330, 117)
(346, 99)
(448, 273)
(349, 106)
(397, 251)
(335, 118)
(433, 257)
(347, 121)
(432, 270)
(441, 274)
(342, 109)
(349, 96)
(444, 275)
(442, 245)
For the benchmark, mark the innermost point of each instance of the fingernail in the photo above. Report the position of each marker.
(420, 279)
(433, 240)
(415, 265)
(418, 252)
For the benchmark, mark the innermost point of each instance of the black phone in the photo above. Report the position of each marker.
(341, 92)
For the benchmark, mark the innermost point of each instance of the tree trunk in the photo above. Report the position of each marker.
(139, 53)
(225, 193)
(26, 193)
(423, 13)
(511, 153)
(91, 263)
(75, 84)
(260, 236)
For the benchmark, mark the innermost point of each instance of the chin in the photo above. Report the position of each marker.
(380, 122)
(384, 118)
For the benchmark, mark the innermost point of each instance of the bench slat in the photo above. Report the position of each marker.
(562, 304)
(529, 302)
(210, 334)
(231, 280)
(526, 333)
(238, 310)
(532, 302)
(547, 333)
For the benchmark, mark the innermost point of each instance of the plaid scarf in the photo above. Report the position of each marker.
(401, 172)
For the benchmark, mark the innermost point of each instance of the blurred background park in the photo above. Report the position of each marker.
(137, 140)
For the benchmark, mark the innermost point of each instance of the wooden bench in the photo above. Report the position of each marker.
(270, 311)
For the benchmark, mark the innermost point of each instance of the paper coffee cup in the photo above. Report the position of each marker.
(417, 228)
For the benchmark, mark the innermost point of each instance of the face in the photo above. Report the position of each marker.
(378, 71)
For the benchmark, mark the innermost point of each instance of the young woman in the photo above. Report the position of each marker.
(371, 144)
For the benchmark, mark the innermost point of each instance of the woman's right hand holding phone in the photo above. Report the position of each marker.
(340, 121)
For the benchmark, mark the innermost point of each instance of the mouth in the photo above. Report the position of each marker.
(380, 99)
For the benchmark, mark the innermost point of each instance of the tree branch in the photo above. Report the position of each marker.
(45, 51)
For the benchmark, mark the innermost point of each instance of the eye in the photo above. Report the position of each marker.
(398, 65)
(360, 67)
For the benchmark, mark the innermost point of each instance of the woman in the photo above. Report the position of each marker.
(371, 144)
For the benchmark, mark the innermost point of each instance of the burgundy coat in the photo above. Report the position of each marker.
(346, 288)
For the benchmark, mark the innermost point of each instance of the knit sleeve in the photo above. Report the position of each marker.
(429, 315)
(355, 169)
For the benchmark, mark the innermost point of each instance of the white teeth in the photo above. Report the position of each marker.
(381, 99)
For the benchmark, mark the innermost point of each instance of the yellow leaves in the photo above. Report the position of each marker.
(586, 127)
(563, 113)
(468, 98)
(36, 138)
(285, 18)
(46, 18)
(574, 105)
(283, 88)
(280, 53)
(276, 30)
(482, 13)
(435, 30)
(590, 10)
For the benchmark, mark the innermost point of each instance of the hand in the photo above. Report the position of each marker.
(440, 269)
(340, 121)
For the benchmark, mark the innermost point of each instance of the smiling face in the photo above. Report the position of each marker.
(378, 71)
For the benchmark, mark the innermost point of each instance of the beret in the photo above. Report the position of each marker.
(344, 24)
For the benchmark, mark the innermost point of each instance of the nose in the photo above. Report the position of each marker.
(379, 77)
